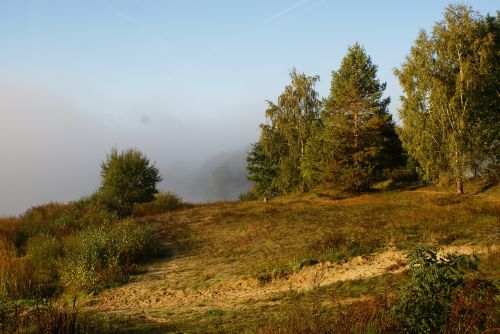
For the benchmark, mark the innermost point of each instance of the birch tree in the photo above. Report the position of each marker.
(450, 108)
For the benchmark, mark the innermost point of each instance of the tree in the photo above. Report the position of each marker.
(127, 178)
(284, 138)
(358, 136)
(261, 170)
(450, 110)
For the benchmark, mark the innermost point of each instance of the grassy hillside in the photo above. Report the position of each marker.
(242, 266)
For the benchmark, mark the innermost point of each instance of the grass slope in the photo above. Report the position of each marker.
(232, 266)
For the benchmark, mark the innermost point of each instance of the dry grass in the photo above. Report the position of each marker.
(15, 274)
(216, 251)
(256, 236)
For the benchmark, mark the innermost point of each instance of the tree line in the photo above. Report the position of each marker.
(450, 120)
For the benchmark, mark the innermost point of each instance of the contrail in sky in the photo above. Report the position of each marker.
(308, 9)
(204, 54)
(292, 7)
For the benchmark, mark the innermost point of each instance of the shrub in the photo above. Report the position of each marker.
(163, 202)
(15, 273)
(492, 175)
(355, 179)
(250, 195)
(61, 220)
(41, 219)
(101, 254)
(44, 253)
(127, 178)
(337, 246)
(39, 316)
(9, 226)
(440, 293)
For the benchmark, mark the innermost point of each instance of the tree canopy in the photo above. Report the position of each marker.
(274, 162)
(127, 178)
(357, 136)
(450, 109)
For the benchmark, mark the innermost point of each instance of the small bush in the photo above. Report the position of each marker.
(356, 179)
(250, 195)
(39, 316)
(441, 294)
(44, 253)
(9, 226)
(101, 254)
(337, 246)
(491, 175)
(163, 202)
(15, 272)
(404, 176)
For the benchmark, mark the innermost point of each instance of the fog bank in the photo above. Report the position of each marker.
(51, 150)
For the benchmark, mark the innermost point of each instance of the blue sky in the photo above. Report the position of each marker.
(181, 79)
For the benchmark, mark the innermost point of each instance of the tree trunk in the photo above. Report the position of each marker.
(459, 173)
(460, 185)
(356, 130)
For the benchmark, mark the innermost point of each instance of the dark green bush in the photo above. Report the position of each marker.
(355, 179)
(337, 246)
(128, 177)
(44, 253)
(492, 174)
(430, 302)
(163, 202)
(250, 195)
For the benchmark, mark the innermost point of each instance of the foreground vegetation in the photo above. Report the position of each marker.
(299, 263)
(278, 266)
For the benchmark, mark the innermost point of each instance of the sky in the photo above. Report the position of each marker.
(184, 81)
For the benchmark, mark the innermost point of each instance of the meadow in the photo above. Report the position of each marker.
(297, 263)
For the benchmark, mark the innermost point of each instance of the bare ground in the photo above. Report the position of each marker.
(154, 293)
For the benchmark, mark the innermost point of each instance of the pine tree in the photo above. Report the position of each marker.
(358, 136)
(450, 110)
(261, 170)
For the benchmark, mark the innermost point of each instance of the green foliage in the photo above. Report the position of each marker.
(44, 253)
(127, 178)
(274, 163)
(163, 202)
(450, 109)
(250, 195)
(357, 137)
(261, 170)
(60, 220)
(101, 254)
(430, 297)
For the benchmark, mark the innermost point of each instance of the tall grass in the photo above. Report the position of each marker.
(79, 245)
(163, 202)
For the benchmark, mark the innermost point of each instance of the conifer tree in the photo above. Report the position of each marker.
(450, 110)
(358, 136)
(261, 170)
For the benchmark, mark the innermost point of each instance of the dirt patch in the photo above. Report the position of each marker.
(156, 290)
